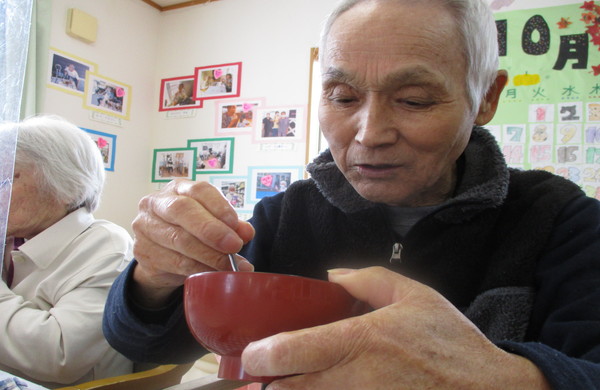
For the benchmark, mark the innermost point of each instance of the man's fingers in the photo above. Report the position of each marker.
(211, 198)
(207, 217)
(160, 260)
(245, 231)
(154, 236)
(277, 355)
(157, 232)
(189, 227)
(186, 213)
(376, 286)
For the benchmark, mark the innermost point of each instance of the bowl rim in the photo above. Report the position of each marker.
(274, 274)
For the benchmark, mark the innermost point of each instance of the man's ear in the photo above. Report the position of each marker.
(489, 104)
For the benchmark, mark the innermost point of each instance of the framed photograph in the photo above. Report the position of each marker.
(175, 163)
(268, 181)
(107, 144)
(68, 72)
(218, 81)
(233, 188)
(106, 95)
(280, 124)
(236, 116)
(177, 93)
(215, 155)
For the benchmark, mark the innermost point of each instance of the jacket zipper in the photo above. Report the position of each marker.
(396, 254)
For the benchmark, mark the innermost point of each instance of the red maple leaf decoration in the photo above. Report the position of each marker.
(588, 17)
(593, 30)
(596, 40)
(563, 23)
(588, 5)
(596, 70)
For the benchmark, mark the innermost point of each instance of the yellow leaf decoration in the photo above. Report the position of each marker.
(526, 79)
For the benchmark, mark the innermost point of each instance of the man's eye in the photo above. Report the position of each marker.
(341, 99)
(340, 94)
(415, 103)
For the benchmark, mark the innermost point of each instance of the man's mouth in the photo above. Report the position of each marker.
(376, 170)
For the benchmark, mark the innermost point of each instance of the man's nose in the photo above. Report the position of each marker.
(376, 123)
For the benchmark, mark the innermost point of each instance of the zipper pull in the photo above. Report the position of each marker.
(396, 254)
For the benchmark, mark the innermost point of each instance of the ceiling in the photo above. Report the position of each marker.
(164, 3)
(167, 5)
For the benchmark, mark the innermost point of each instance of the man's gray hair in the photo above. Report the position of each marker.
(66, 161)
(477, 29)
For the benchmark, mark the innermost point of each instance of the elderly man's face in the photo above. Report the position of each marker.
(394, 107)
(31, 209)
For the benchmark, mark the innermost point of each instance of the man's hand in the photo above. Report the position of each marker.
(415, 339)
(185, 228)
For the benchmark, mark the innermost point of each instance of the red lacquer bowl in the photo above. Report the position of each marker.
(225, 311)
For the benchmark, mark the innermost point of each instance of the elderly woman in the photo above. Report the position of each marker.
(54, 289)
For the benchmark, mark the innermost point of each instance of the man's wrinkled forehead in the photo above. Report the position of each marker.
(416, 75)
(375, 35)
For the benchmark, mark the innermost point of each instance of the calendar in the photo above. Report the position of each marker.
(549, 112)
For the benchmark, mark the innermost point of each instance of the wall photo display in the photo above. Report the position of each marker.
(236, 116)
(173, 163)
(280, 124)
(218, 81)
(233, 188)
(68, 72)
(107, 144)
(177, 93)
(214, 155)
(106, 95)
(268, 181)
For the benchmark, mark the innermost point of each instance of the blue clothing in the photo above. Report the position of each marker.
(518, 252)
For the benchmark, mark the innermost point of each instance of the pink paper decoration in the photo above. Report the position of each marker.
(101, 142)
(267, 180)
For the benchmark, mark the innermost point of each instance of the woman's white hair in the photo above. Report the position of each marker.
(477, 29)
(66, 161)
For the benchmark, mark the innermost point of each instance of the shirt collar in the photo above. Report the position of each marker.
(46, 246)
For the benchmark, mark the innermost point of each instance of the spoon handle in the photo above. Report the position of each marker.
(232, 262)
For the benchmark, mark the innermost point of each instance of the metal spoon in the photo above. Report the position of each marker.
(232, 262)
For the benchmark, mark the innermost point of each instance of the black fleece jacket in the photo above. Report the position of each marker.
(518, 252)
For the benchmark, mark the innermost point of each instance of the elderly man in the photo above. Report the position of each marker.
(482, 277)
(53, 290)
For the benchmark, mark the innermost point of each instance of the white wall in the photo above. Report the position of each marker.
(125, 50)
(139, 46)
(272, 39)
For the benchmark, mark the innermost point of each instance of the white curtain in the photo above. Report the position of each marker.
(36, 70)
(15, 22)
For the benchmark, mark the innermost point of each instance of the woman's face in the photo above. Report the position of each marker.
(32, 210)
